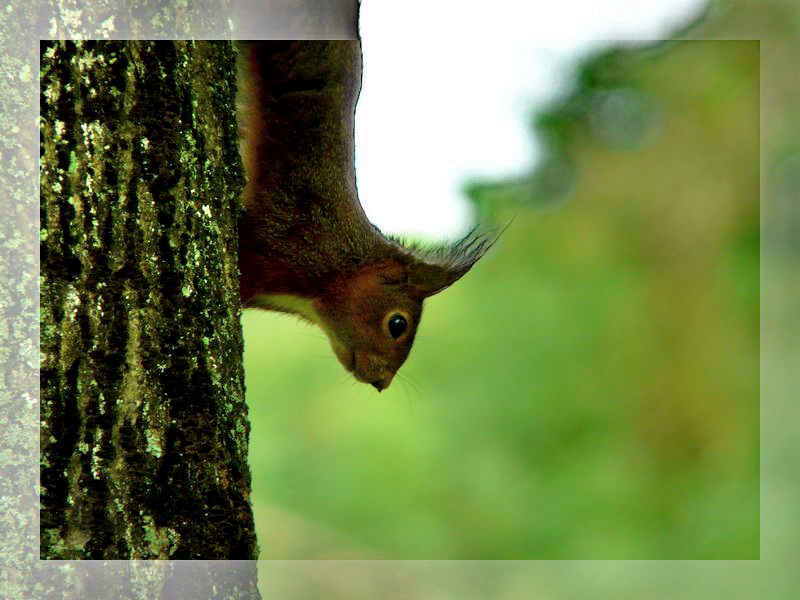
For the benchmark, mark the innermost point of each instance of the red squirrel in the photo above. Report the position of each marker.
(305, 245)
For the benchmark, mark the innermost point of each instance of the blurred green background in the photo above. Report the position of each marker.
(590, 390)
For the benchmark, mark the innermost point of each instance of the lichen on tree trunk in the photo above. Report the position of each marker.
(143, 422)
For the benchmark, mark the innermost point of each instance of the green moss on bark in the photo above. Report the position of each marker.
(144, 426)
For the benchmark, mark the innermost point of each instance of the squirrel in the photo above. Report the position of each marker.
(306, 247)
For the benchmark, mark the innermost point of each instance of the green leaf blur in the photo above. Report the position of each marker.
(590, 389)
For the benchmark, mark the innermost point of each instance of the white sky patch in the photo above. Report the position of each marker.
(449, 88)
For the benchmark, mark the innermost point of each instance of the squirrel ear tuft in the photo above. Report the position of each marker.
(434, 269)
(428, 279)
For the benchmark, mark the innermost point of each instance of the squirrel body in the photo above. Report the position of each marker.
(306, 247)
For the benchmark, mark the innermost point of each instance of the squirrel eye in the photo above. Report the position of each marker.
(397, 325)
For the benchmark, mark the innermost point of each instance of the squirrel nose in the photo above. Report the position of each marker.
(382, 383)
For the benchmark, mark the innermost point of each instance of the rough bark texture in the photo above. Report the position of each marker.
(143, 422)
(133, 19)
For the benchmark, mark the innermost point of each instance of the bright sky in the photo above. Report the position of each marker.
(449, 86)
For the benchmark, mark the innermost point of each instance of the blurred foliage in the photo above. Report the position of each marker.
(606, 104)
(590, 389)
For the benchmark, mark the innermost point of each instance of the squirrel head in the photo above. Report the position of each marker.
(371, 315)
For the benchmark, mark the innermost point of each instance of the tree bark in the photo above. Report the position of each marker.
(144, 428)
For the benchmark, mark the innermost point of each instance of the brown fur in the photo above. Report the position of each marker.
(303, 232)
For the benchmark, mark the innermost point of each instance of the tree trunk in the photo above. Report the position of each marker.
(144, 428)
